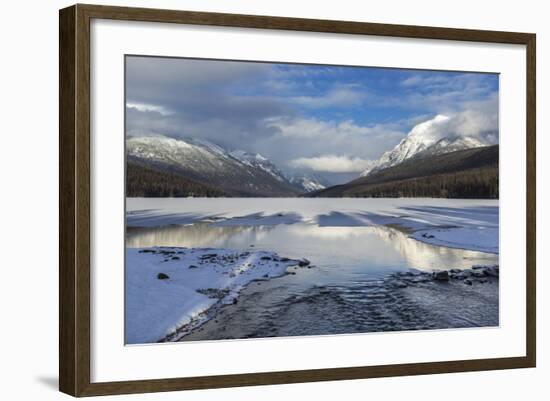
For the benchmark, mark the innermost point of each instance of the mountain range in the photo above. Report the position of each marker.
(206, 167)
(425, 163)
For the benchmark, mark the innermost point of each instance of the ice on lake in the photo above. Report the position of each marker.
(466, 224)
(349, 242)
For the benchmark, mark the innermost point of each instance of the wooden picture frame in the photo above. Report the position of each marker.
(74, 203)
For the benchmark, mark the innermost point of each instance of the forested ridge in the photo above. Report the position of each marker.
(142, 181)
(471, 173)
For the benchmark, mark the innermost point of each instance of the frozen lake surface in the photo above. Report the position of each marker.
(353, 245)
(468, 224)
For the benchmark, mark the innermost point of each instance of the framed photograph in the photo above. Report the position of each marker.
(250, 200)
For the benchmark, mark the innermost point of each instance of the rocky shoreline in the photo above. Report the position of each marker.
(406, 300)
(403, 300)
(478, 274)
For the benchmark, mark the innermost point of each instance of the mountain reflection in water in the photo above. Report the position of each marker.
(372, 250)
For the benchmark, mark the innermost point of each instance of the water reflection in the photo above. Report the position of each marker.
(373, 250)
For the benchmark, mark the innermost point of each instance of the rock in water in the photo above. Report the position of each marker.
(423, 278)
(478, 273)
(456, 271)
(441, 276)
(491, 271)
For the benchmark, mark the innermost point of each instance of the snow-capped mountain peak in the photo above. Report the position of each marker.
(429, 138)
(308, 183)
(258, 161)
(235, 172)
(172, 151)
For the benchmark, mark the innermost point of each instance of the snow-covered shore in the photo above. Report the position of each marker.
(170, 288)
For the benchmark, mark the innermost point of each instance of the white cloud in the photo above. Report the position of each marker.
(329, 130)
(144, 107)
(293, 138)
(479, 120)
(332, 163)
(411, 81)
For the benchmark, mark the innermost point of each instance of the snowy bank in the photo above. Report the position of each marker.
(170, 288)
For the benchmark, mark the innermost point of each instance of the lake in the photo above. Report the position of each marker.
(353, 245)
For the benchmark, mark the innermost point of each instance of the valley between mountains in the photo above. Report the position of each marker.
(419, 166)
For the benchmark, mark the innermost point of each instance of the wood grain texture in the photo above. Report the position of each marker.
(82, 166)
(301, 24)
(302, 376)
(531, 229)
(74, 198)
(67, 254)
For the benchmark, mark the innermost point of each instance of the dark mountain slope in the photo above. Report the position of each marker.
(237, 174)
(471, 173)
(146, 181)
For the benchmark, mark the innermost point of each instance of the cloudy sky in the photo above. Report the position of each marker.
(323, 119)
